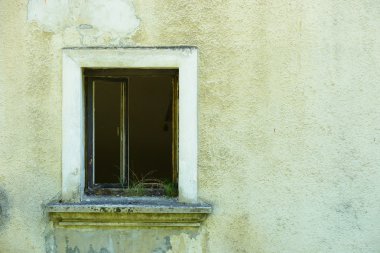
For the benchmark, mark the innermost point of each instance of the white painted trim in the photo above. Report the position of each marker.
(73, 139)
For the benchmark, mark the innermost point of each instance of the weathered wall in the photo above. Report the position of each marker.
(288, 109)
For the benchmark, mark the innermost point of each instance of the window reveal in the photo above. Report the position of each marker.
(131, 131)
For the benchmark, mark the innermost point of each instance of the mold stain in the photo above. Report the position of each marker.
(165, 247)
(4, 209)
(72, 250)
(77, 250)
(69, 249)
(102, 250)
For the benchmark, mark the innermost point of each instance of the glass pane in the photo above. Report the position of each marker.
(107, 129)
(150, 129)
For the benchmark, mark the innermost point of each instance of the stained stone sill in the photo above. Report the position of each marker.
(137, 212)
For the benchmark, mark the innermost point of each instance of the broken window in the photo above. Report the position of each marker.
(131, 131)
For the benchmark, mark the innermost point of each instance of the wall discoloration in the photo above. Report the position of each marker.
(132, 240)
(50, 242)
(91, 17)
(165, 247)
(186, 243)
(75, 249)
(4, 209)
(120, 16)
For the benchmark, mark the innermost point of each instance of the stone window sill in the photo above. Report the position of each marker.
(131, 212)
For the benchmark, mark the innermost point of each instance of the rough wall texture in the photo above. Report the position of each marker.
(288, 109)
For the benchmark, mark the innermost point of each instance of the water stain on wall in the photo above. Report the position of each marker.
(75, 249)
(165, 247)
(4, 209)
(69, 249)
(102, 250)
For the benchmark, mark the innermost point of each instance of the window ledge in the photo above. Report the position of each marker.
(140, 212)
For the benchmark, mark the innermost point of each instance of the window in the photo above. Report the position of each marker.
(79, 62)
(131, 131)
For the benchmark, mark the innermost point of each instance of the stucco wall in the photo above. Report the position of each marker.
(288, 111)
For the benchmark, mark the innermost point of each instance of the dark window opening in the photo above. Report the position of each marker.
(131, 131)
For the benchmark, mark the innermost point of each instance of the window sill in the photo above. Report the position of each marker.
(131, 212)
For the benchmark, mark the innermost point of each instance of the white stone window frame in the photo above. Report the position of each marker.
(185, 59)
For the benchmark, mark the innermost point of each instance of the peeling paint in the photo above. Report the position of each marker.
(52, 16)
(113, 16)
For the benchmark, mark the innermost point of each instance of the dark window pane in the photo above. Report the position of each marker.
(107, 129)
(150, 128)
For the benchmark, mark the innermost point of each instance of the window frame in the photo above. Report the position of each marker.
(185, 59)
(90, 141)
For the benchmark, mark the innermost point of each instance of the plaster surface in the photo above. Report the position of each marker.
(108, 241)
(288, 120)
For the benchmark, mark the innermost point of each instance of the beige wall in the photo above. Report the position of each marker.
(288, 110)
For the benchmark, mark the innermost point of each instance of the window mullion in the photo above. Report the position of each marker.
(92, 104)
(126, 127)
(123, 135)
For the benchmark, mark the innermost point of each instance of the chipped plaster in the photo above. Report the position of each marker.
(57, 15)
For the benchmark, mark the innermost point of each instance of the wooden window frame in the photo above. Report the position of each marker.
(122, 75)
